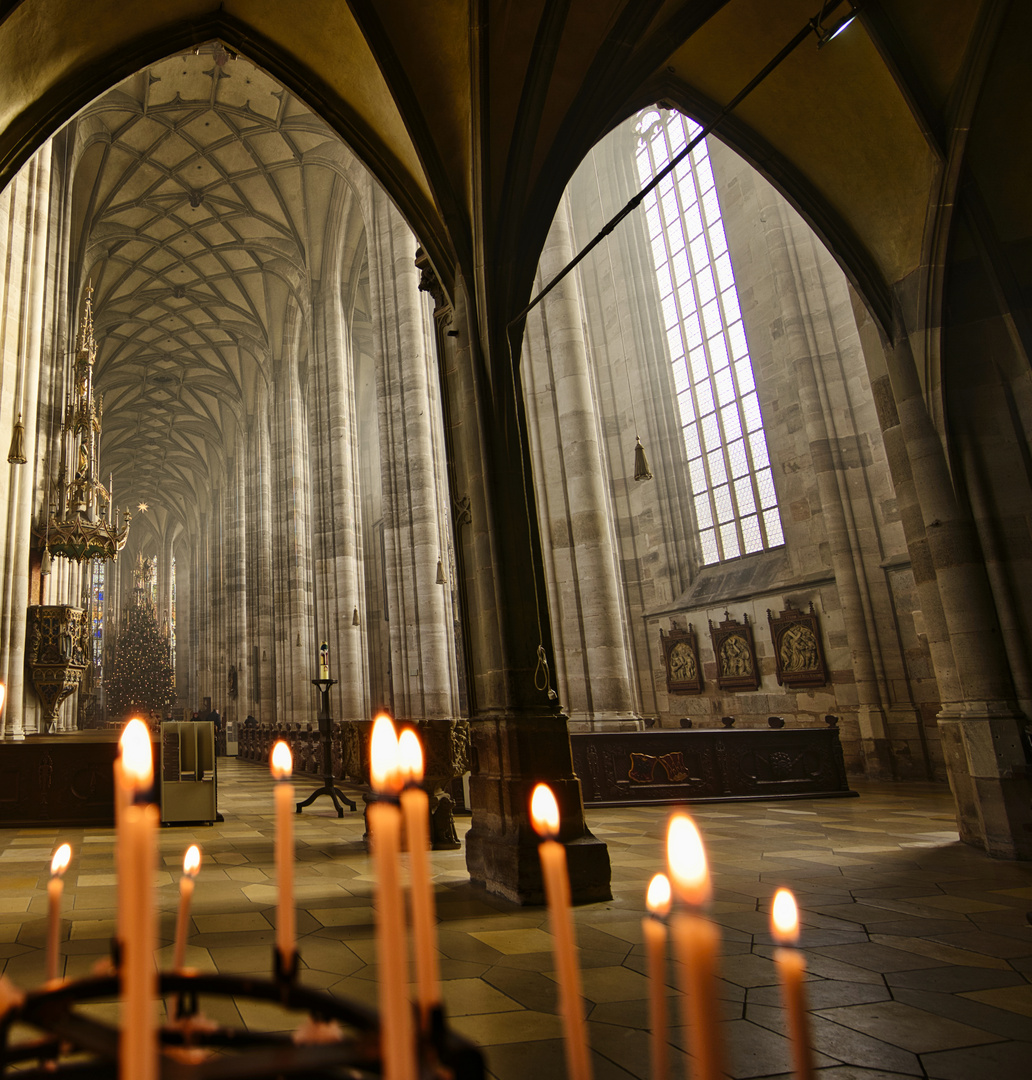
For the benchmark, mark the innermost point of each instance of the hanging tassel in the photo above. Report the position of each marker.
(440, 572)
(44, 563)
(17, 453)
(641, 462)
(354, 618)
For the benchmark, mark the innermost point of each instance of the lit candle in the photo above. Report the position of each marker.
(791, 964)
(139, 1048)
(696, 945)
(384, 815)
(282, 763)
(55, 886)
(191, 866)
(123, 797)
(416, 808)
(324, 661)
(544, 815)
(653, 928)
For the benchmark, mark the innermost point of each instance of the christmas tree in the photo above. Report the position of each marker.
(142, 680)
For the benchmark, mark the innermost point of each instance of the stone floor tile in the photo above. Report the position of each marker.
(1014, 998)
(907, 1027)
(821, 994)
(981, 941)
(880, 958)
(1003, 1059)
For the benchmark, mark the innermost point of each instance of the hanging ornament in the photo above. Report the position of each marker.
(44, 563)
(354, 618)
(17, 453)
(440, 572)
(641, 462)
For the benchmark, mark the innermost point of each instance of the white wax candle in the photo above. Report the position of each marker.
(697, 946)
(654, 933)
(191, 865)
(791, 965)
(282, 763)
(396, 1036)
(545, 818)
(55, 886)
(415, 806)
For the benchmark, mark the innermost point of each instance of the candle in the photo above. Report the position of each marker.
(544, 815)
(324, 661)
(55, 886)
(696, 945)
(384, 815)
(191, 866)
(139, 1050)
(791, 965)
(416, 808)
(653, 930)
(282, 763)
(123, 797)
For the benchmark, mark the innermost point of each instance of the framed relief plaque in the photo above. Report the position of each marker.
(681, 660)
(796, 637)
(736, 656)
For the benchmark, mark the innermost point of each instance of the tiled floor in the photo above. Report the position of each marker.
(919, 951)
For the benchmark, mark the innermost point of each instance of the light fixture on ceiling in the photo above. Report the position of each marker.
(829, 33)
(641, 462)
(16, 455)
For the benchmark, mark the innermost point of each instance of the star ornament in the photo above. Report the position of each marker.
(143, 507)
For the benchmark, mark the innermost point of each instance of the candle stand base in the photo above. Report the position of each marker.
(328, 788)
(333, 1038)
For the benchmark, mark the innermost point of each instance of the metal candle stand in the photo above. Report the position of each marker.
(325, 737)
(343, 1040)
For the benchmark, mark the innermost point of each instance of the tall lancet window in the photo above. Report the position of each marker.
(729, 468)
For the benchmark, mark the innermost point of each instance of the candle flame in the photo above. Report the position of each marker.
(686, 860)
(657, 899)
(137, 756)
(280, 760)
(62, 857)
(383, 755)
(544, 811)
(784, 917)
(192, 861)
(410, 757)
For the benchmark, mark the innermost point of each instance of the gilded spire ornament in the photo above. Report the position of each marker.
(82, 522)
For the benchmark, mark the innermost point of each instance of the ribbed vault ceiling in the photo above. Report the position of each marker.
(200, 224)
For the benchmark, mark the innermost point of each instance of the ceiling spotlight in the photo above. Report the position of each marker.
(829, 33)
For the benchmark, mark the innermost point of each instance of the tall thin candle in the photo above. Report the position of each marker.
(653, 928)
(544, 815)
(415, 806)
(696, 944)
(139, 1048)
(791, 965)
(282, 764)
(396, 1037)
(191, 867)
(55, 886)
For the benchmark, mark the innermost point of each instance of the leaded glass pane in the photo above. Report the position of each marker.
(744, 496)
(692, 447)
(700, 253)
(711, 317)
(680, 371)
(670, 316)
(717, 239)
(758, 448)
(674, 340)
(663, 279)
(652, 218)
(671, 211)
(736, 335)
(710, 206)
(725, 392)
(711, 432)
(703, 511)
(751, 538)
(692, 331)
(675, 238)
(708, 544)
(731, 309)
(718, 352)
(765, 486)
(717, 469)
(700, 369)
(729, 539)
(725, 279)
(744, 374)
(722, 501)
(738, 458)
(682, 271)
(692, 222)
(731, 421)
(704, 396)
(687, 409)
(686, 186)
(686, 294)
(707, 291)
(704, 174)
(697, 475)
(772, 523)
(751, 412)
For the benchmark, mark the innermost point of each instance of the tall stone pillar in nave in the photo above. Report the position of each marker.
(416, 531)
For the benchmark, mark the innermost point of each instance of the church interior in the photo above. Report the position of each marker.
(629, 396)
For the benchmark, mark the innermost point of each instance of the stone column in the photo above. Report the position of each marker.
(422, 640)
(588, 620)
(519, 736)
(980, 723)
(263, 610)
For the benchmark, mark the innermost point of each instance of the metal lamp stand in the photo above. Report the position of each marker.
(325, 735)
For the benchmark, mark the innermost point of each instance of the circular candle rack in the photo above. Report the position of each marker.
(337, 1039)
